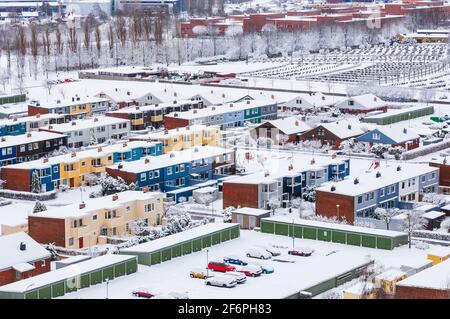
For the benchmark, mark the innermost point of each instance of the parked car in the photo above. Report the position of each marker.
(221, 281)
(220, 266)
(197, 273)
(300, 251)
(264, 268)
(238, 276)
(258, 253)
(273, 251)
(178, 295)
(143, 293)
(234, 260)
(250, 270)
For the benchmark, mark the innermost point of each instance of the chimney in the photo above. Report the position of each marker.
(174, 93)
(45, 160)
(223, 95)
(50, 127)
(137, 108)
(297, 123)
(212, 91)
(375, 99)
(290, 167)
(115, 197)
(73, 154)
(74, 123)
(349, 127)
(231, 104)
(38, 115)
(313, 161)
(29, 134)
(333, 188)
(356, 181)
(399, 168)
(82, 205)
(166, 132)
(146, 161)
(145, 189)
(23, 246)
(128, 92)
(175, 102)
(272, 97)
(213, 108)
(266, 173)
(3, 139)
(378, 175)
(165, 90)
(58, 101)
(95, 119)
(15, 119)
(196, 149)
(404, 130)
(333, 156)
(124, 144)
(156, 105)
(99, 149)
(73, 99)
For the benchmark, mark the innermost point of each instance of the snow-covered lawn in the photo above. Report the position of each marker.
(288, 278)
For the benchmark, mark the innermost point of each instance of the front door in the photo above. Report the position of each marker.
(251, 222)
(80, 242)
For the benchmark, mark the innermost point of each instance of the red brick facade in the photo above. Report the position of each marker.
(127, 176)
(326, 205)
(444, 173)
(326, 139)
(34, 110)
(47, 230)
(16, 179)
(171, 122)
(406, 292)
(243, 195)
(8, 276)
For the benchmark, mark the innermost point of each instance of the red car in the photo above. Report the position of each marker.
(304, 252)
(142, 293)
(220, 266)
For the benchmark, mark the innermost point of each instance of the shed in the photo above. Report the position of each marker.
(249, 218)
(434, 219)
(183, 243)
(59, 282)
(362, 290)
(337, 233)
(387, 280)
(438, 255)
(205, 195)
(413, 267)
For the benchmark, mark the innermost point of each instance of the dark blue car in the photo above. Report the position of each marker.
(234, 260)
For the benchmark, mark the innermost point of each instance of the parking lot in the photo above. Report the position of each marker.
(328, 260)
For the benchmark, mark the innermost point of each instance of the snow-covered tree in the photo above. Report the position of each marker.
(110, 185)
(309, 194)
(386, 215)
(39, 207)
(434, 198)
(227, 214)
(36, 184)
(379, 149)
(413, 221)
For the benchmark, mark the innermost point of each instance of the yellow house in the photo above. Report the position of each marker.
(438, 255)
(89, 223)
(184, 138)
(362, 290)
(387, 280)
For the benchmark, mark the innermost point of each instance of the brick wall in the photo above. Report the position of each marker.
(33, 110)
(406, 292)
(326, 205)
(47, 230)
(127, 176)
(243, 195)
(9, 275)
(174, 122)
(16, 179)
(444, 173)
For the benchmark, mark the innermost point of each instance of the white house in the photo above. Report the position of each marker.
(362, 104)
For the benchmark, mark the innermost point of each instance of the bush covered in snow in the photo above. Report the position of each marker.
(110, 185)
(27, 195)
(434, 198)
(333, 220)
(310, 194)
(39, 207)
(227, 212)
(424, 150)
(431, 235)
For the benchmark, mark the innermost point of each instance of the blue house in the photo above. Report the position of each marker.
(405, 137)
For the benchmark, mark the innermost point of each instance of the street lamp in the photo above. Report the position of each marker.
(337, 208)
(207, 262)
(107, 288)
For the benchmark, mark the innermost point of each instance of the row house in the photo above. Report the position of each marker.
(29, 146)
(176, 170)
(391, 136)
(76, 168)
(152, 115)
(90, 222)
(91, 131)
(387, 187)
(313, 101)
(281, 131)
(21, 125)
(183, 138)
(21, 257)
(263, 189)
(362, 104)
(73, 108)
(225, 116)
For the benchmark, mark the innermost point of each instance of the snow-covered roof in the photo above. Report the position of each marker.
(10, 253)
(73, 259)
(368, 181)
(397, 134)
(178, 238)
(16, 215)
(393, 112)
(316, 99)
(362, 102)
(344, 129)
(65, 273)
(391, 274)
(85, 124)
(30, 137)
(69, 102)
(156, 136)
(251, 211)
(435, 277)
(172, 158)
(91, 153)
(290, 125)
(440, 252)
(152, 107)
(347, 228)
(35, 118)
(220, 109)
(95, 204)
(433, 214)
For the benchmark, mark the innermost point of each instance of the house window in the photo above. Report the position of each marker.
(156, 174)
(423, 178)
(169, 170)
(43, 263)
(382, 192)
(71, 241)
(433, 175)
(149, 207)
(143, 177)
(55, 169)
(392, 188)
(177, 169)
(30, 147)
(94, 217)
(360, 199)
(376, 136)
(22, 149)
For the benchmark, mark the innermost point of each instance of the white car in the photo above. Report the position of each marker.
(272, 250)
(178, 295)
(258, 253)
(238, 276)
(221, 281)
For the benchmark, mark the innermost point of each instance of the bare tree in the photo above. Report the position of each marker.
(34, 45)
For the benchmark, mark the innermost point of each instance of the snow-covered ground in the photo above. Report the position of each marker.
(287, 278)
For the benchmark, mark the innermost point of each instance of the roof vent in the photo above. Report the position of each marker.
(196, 149)
(45, 160)
(213, 108)
(74, 123)
(120, 166)
(333, 188)
(223, 95)
(23, 246)
(297, 123)
(187, 128)
(128, 92)
(96, 119)
(15, 119)
(145, 189)
(266, 173)
(115, 197)
(175, 102)
(38, 115)
(212, 91)
(313, 161)
(356, 181)
(124, 144)
(28, 134)
(3, 139)
(378, 175)
(73, 154)
(404, 130)
(50, 127)
(174, 93)
(349, 127)
(272, 97)
(146, 161)
(172, 155)
(399, 168)
(231, 104)
(58, 101)
(176, 114)
(195, 111)
(82, 205)
(290, 167)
